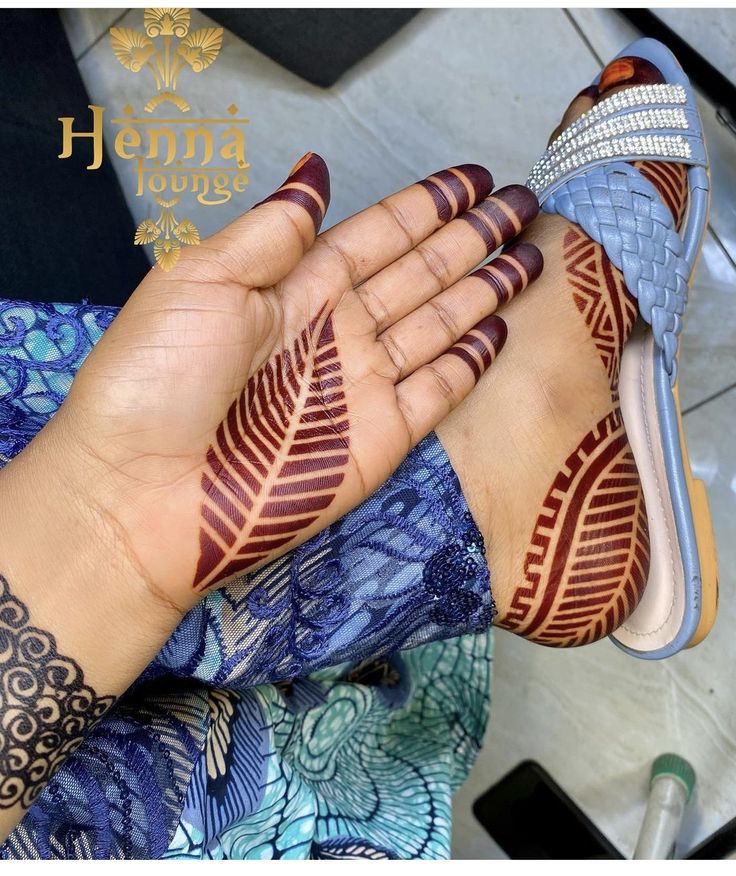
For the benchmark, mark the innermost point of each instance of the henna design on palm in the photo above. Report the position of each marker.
(278, 456)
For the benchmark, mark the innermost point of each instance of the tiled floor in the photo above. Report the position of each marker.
(488, 86)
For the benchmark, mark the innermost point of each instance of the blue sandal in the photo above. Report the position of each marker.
(584, 176)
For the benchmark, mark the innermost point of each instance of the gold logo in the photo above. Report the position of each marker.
(174, 155)
(136, 50)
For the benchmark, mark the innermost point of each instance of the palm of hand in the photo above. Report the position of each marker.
(238, 405)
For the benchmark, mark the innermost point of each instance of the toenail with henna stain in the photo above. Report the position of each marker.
(625, 72)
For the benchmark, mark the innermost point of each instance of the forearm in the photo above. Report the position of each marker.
(78, 622)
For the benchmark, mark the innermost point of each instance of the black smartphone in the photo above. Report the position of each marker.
(530, 817)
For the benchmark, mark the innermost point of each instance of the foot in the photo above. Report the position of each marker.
(540, 448)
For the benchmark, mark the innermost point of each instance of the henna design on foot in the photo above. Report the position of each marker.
(670, 180)
(278, 456)
(587, 566)
(588, 562)
(601, 297)
(46, 709)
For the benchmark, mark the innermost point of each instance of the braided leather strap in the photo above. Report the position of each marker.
(621, 210)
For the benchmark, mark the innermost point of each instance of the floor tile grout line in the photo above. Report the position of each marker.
(710, 398)
(722, 246)
(104, 32)
(581, 33)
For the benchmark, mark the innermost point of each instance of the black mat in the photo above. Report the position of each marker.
(317, 44)
(65, 232)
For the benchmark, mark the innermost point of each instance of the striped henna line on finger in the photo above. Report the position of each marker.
(512, 271)
(480, 346)
(277, 459)
(308, 185)
(503, 215)
(456, 189)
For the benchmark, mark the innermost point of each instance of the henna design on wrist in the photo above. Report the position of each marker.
(278, 457)
(46, 709)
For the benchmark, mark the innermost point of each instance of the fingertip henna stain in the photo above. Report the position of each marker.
(480, 346)
(512, 271)
(307, 185)
(456, 189)
(502, 216)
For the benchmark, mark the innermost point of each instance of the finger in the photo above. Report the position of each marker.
(446, 256)
(425, 333)
(428, 395)
(398, 223)
(263, 246)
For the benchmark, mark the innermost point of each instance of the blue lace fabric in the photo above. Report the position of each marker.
(324, 706)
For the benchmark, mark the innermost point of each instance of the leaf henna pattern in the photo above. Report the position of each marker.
(588, 561)
(277, 458)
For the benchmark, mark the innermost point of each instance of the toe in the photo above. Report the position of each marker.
(626, 72)
(579, 105)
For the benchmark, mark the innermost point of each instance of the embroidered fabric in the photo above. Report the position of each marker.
(405, 568)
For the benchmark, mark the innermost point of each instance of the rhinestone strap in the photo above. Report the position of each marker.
(618, 129)
(631, 123)
(638, 95)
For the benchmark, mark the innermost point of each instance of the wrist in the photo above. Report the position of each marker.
(67, 559)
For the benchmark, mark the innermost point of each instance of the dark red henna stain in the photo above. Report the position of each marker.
(243, 518)
(601, 297)
(503, 215)
(628, 71)
(466, 185)
(589, 560)
(583, 575)
(480, 346)
(670, 180)
(512, 271)
(590, 91)
(310, 171)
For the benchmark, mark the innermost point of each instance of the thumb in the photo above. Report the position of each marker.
(269, 240)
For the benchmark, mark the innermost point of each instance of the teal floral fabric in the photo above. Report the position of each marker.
(358, 762)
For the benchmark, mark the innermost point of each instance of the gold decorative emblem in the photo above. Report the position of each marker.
(167, 249)
(136, 50)
(174, 155)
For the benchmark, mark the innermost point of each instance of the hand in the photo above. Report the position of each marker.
(271, 381)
